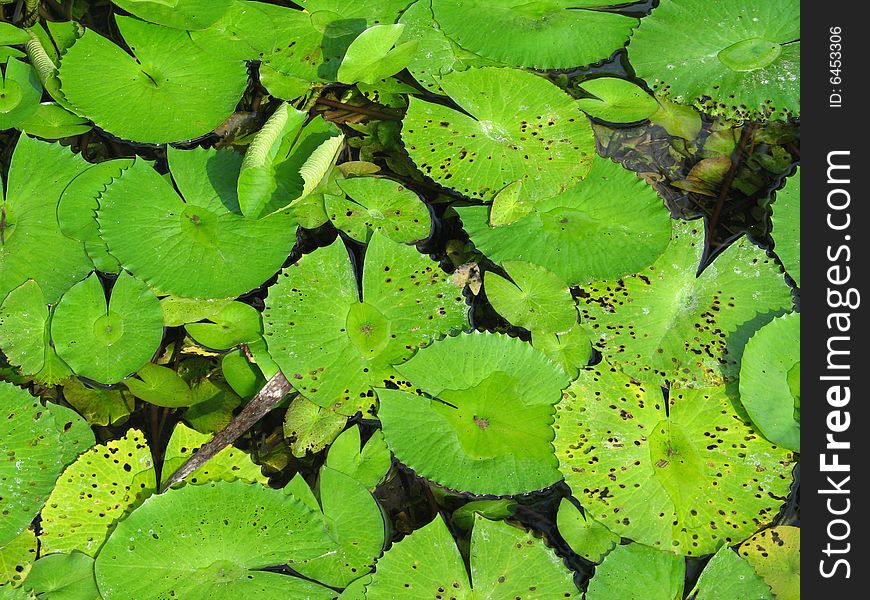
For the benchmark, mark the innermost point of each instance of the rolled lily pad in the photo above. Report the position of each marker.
(63, 576)
(235, 324)
(729, 576)
(35, 450)
(16, 558)
(786, 221)
(506, 562)
(162, 239)
(616, 100)
(609, 225)
(636, 572)
(31, 243)
(775, 554)
(516, 126)
(179, 14)
(212, 541)
(334, 348)
(662, 473)
(555, 34)
(379, 203)
(586, 536)
(376, 54)
(766, 390)
(436, 55)
(25, 337)
(107, 343)
(485, 429)
(738, 59)
(147, 97)
(667, 324)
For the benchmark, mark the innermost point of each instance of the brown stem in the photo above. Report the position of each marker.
(265, 400)
(736, 160)
(360, 110)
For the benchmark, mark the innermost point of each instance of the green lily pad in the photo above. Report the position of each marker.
(10, 35)
(110, 480)
(368, 465)
(609, 225)
(379, 203)
(244, 32)
(667, 324)
(107, 343)
(484, 429)
(636, 572)
(179, 14)
(212, 541)
(571, 350)
(11, 593)
(506, 562)
(148, 97)
(766, 391)
(51, 121)
(549, 34)
(616, 100)
(677, 120)
(160, 386)
(179, 311)
(662, 473)
(536, 299)
(516, 126)
(376, 54)
(20, 93)
(586, 536)
(235, 324)
(354, 522)
(311, 427)
(333, 347)
(162, 239)
(31, 243)
(63, 577)
(738, 59)
(35, 449)
(786, 221)
(241, 373)
(729, 576)
(24, 334)
(16, 558)
(493, 510)
(775, 554)
(99, 406)
(436, 55)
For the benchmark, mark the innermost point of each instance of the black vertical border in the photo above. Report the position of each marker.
(832, 126)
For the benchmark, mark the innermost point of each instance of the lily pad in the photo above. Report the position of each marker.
(663, 473)
(162, 239)
(516, 126)
(20, 93)
(107, 343)
(213, 541)
(729, 576)
(235, 324)
(436, 55)
(179, 14)
(16, 558)
(536, 299)
(766, 391)
(244, 32)
(35, 451)
(333, 347)
(553, 34)
(738, 59)
(484, 429)
(775, 554)
(506, 563)
(31, 243)
(24, 334)
(376, 54)
(586, 536)
(616, 100)
(786, 221)
(493, 510)
(379, 203)
(160, 386)
(609, 225)
(368, 464)
(147, 97)
(667, 324)
(99, 406)
(63, 577)
(636, 572)
(311, 427)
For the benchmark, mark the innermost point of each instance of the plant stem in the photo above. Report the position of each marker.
(361, 110)
(736, 160)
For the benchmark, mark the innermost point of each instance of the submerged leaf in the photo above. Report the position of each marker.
(515, 126)
(660, 472)
(484, 429)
